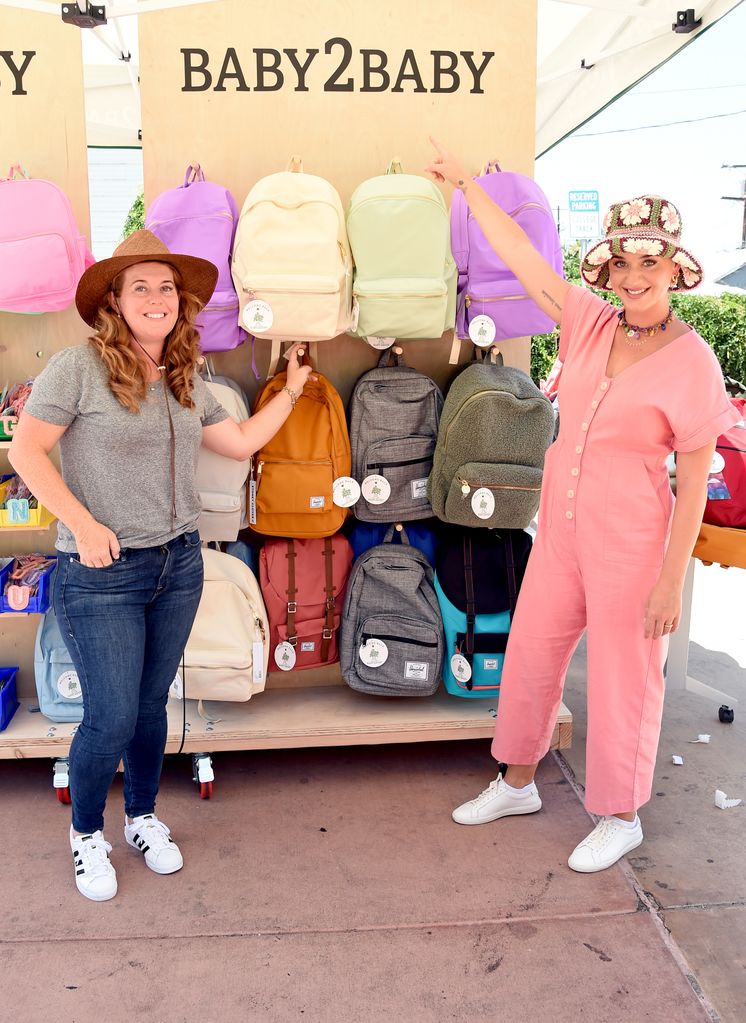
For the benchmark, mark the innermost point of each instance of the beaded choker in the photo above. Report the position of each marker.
(640, 335)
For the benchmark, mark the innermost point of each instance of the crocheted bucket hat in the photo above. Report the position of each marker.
(649, 225)
(199, 276)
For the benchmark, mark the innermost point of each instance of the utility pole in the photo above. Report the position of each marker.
(738, 198)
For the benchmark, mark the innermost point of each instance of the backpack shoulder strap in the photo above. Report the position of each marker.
(328, 631)
(291, 594)
(510, 569)
(471, 606)
(460, 236)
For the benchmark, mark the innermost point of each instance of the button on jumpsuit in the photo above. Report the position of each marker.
(604, 521)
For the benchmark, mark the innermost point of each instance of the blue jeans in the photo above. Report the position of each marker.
(125, 627)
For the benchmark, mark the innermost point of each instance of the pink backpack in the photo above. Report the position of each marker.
(485, 284)
(42, 253)
(199, 219)
(303, 584)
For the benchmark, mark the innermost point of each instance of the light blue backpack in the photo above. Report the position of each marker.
(477, 578)
(57, 682)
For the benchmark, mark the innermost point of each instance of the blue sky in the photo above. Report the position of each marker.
(682, 161)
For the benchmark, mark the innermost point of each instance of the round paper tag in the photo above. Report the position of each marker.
(718, 463)
(460, 668)
(380, 342)
(285, 656)
(355, 317)
(176, 689)
(483, 503)
(258, 316)
(482, 331)
(68, 686)
(345, 491)
(376, 489)
(374, 652)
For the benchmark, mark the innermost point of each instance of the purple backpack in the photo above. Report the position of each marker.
(199, 219)
(485, 284)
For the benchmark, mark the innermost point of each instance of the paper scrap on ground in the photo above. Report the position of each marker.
(677, 759)
(722, 801)
(700, 738)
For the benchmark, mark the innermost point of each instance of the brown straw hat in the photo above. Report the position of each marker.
(199, 276)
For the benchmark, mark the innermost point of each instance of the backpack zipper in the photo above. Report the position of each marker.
(288, 461)
(400, 294)
(397, 639)
(394, 465)
(497, 298)
(466, 486)
(203, 216)
(523, 206)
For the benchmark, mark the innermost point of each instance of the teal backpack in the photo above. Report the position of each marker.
(477, 578)
(405, 275)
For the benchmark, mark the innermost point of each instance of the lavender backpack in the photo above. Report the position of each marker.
(485, 284)
(199, 219)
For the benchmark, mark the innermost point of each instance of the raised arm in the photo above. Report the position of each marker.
(509, 241)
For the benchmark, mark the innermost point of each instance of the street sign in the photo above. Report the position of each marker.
(584, 219)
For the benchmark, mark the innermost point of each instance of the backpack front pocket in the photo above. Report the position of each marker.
(406, 463)
(310, 640)
(486, 660)
(218, 325)
(510, 502)
(303, 308)
(289, 487)
(413, 656)
(413, 307)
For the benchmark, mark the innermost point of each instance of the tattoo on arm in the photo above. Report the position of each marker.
(552, 301)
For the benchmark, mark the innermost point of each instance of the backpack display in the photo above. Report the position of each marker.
(405, 276)
(221, 481)
(478, 575)
(42, 253)
(199, 219)
(726, 487)
(392, 636)
(227, 652)
(57, 682)
(291, 265)
(365, 535)
(303, 585)
(494, 431)
(486, 286)
(394, 417)
(291, 491)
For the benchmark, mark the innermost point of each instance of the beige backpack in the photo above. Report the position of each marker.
(227, 653)
(221, 481)
(292, 266)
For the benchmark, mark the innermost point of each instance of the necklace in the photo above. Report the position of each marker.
(172, 433)
(637, 336)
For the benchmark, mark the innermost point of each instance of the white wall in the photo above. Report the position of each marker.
(114, 181)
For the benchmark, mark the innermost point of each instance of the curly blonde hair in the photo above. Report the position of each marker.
(127, 374)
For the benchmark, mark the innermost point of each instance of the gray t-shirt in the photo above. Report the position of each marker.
(116, 462)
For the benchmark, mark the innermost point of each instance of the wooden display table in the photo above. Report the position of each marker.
(292, 718)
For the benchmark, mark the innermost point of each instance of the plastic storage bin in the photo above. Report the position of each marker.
(38, 518)
(8, 699)
(40, 601)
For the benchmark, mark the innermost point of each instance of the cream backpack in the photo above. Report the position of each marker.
(227, 653)
(221, 481)
(292, 266)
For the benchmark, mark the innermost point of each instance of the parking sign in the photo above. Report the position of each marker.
(584, 219)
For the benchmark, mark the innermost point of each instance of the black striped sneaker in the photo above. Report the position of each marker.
(153, 839)
(94, 874)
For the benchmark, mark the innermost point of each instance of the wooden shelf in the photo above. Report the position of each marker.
(289, 719)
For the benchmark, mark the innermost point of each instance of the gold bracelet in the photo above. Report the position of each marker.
(293, 397)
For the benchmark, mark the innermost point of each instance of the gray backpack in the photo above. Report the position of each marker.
(394, 417)
(391, 639)
(495, 429)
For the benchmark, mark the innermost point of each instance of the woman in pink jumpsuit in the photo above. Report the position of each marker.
(612, 546)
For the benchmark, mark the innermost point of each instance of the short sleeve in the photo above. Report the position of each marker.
(56, 392)
(212, 411)
(582, 313)
(704, 410)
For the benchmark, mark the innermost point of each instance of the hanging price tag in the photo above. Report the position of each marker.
(380, 342)
(374, 653)
(285, 656)
(258, 316)
(483, 503)
(376, 489)
(345, 491)
(461, 668)
(482, 331)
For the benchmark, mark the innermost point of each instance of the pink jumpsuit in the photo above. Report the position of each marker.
(604, 520)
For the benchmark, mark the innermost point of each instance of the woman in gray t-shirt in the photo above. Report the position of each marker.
(130, 413)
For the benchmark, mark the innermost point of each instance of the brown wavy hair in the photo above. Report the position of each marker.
(127, 374)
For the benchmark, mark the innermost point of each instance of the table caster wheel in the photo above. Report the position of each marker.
(205, 790)
(726, 714)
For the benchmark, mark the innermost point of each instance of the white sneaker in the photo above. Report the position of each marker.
(607, 843)
(94, 874)
(152, 838)
(496, 801)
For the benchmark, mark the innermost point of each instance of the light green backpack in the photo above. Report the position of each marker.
(405, 275)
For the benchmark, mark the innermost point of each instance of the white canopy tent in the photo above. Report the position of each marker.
(589, 53)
